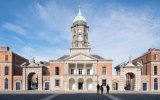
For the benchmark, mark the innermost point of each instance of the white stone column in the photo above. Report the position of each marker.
(94, 67)
(85, 85)
(76, 70)
(66, 69)
(85, 70)
(138, 80)
(76, 84)
(24, 79)
(40, 79)
(122, 79)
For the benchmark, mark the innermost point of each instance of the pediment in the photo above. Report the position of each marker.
(81, 57)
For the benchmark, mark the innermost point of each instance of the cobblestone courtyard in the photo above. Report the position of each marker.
(33, 95)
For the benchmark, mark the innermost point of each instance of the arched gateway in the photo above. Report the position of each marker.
(129, 75)
(32, 81)
(32, 74)
(130, 81)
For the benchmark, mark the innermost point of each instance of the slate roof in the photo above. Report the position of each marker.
(66, 56)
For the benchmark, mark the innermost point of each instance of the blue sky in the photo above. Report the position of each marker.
(118, 28)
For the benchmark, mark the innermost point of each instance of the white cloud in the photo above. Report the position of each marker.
(120, 32)
(14, 28)
(57, 18)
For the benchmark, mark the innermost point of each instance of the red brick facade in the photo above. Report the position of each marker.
(149, 60)
(13, 62)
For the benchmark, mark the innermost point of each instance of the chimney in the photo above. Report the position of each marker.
(4, 48)
(151, 49)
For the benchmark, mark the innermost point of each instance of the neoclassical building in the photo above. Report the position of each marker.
(80, 70)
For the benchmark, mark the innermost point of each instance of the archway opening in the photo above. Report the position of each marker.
(32, 81)
(80, 84)
(72, 84)
(89, 84)
(130, 81)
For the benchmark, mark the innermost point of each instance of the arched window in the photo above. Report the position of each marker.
(80, 37)
(6, 70)
(156, 84)
(6, 84)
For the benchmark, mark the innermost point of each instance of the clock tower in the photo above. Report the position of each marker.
(79, 31)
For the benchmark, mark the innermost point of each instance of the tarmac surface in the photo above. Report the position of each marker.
(59, 95)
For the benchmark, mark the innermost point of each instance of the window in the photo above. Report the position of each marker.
(18, 85)
(155, 84)
(88, 72)
(6, 84)
(56, 82)
(80, 71)
(6, 70)
(104, 82)
(103, 70)
(57, 71)
(6, 57)
(155, 70)
(72, 71)
(146, 58)
(155, 57)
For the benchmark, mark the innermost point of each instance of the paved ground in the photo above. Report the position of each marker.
(77, 96)
(138, 96)
(84, 96)
(23, 96)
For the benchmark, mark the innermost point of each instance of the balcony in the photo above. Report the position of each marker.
(81, 76)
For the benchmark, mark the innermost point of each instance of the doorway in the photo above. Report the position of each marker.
(80, 85)
(46, 85)
(144, 86)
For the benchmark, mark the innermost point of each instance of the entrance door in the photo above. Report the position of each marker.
(144, 86)
(80, 85)
(18, 85)
(116, 86)
(46, 85)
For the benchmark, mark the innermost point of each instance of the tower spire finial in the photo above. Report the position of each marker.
(79, 11)
(130, 58)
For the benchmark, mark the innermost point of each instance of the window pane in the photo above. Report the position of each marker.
(103, 70)
(80, 71)
(57, 70)
(6, 57)
(155, 84)
(104, 82)
(88, 71)
(56, 82)
(6, 70)
(6, 84)
(72, 71)
(155, 70)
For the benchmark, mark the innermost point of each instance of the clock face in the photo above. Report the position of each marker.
(79, 30)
